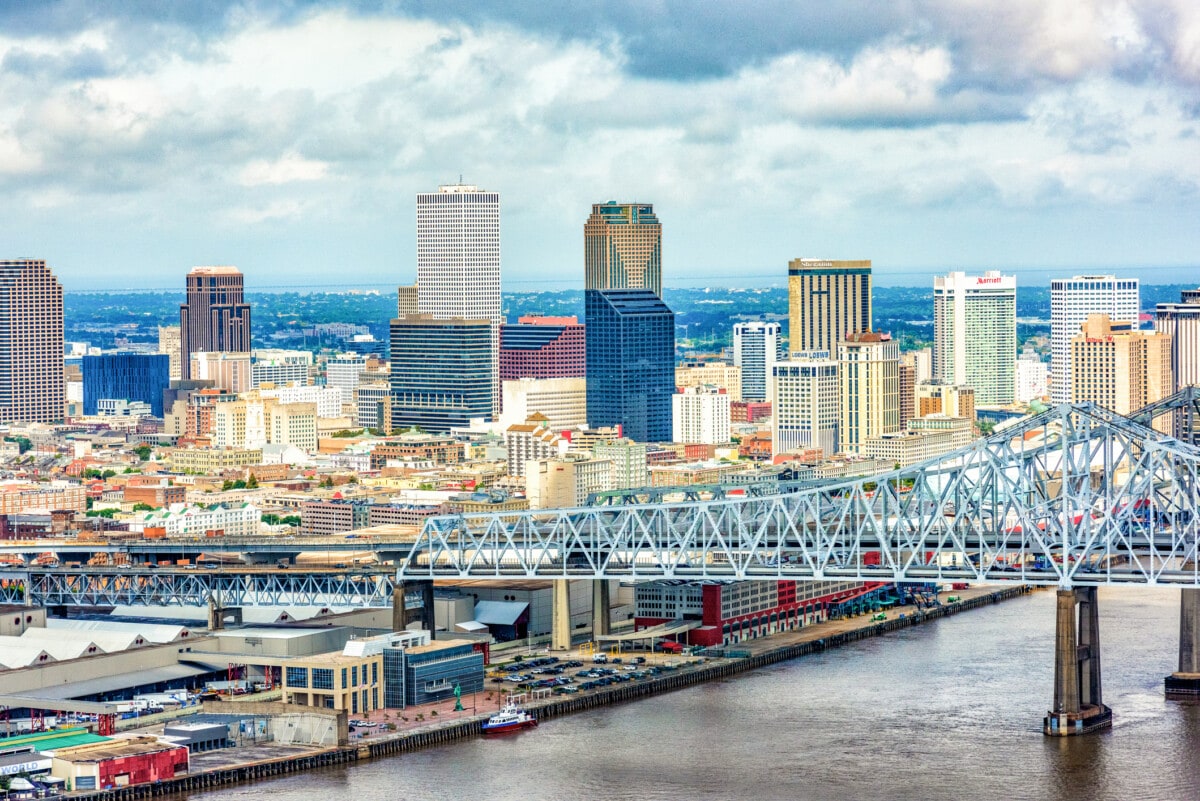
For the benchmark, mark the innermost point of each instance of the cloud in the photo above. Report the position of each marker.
(284, 170)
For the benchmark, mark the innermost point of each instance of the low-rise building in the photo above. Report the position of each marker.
(335, 681)
(242, 520)
(421, 674)
(210, 461)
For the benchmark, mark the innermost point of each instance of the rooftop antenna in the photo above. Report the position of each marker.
(460, 183)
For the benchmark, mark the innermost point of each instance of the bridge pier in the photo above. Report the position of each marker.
(218, 613)
(560, 615)
(1185, 682)
(1078, 706)
(402, 616)
(601, 608)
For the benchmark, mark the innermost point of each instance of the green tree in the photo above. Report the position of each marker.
(108, 474)
(105, 513)
(143, 452)
(252, 482)
(142, 507)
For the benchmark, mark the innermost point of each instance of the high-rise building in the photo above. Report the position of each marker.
(908, 391)
(700, 415)
(562, 401)
(542, 347)
(1031, 377)
(826, 301)
(440, 372)
(125, 376)
(280, 367)
(406, 300)
(630, 362)
(169, 342)
(32, 383)
(227, 371)
(1120, 368)
(975, 333)
(1071, 301)
(345, 373)
(216, 317)
(869, 384)
(755, 351)
(806, 404)
(458, 265)
(719, 374)
(1181, 322)
(623, 247)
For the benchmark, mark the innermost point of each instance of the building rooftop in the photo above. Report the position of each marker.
(223, 269)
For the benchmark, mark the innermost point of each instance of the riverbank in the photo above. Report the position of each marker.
(758, 653)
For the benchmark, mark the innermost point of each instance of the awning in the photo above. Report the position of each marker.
(499, 613)
(122, 681)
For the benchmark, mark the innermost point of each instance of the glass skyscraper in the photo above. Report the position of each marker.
(630, 337)
(441, 372)
(126, 376)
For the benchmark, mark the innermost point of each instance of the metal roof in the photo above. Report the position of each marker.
(499, 613)
(122, 681)
(51, 740)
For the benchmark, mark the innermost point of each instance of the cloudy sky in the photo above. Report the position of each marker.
(290, 138)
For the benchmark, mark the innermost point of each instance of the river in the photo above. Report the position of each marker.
(948, 710)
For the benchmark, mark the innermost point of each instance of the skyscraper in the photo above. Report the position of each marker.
(216, 317)
(622, 245)
(32, 386)
(458, 264)
(1181, 321)
(630, 337)
(1071, 301)
(1119, 367)
(826, 301)
(125, 376)
(755, 351)
(975, 334)
(439, 375)
(805, 411)
(869, 382)
(542, 347)
(170, 343)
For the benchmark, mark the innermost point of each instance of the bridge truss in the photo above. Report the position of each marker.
(1076, 496)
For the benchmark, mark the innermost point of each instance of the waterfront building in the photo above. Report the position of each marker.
(441, 372)
(755, 352)
(279, 367)
(125, 376)
(700, 414)
(542, 347)
(215, 317)
(565, 482)
(1120, 368)
(421, 674)
(975, 333)
(561, 401)
(353, 684)
(631, 362)
(1071, 301)
(953, 400)
(32, 382)
(1032, 377)
(229, 372)
(718, 374)
(169, 342)
(826, 301)
(458, 270)
(869, 388)
(1181, 322)
(805, 413)
(623, 247)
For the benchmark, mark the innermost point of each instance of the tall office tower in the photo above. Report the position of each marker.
(542, 347)
(826, 301)
(125, 376)
(869, 383)
(622, 247)
(1071, 301)
(755, 351)
(169, 342)
(230, 372)
(458, 264)
(700, 415)
(216, 317)
(440, 372)
(1181, 322)
(32, 383)
(1119, 367)
(280, 367)
(406, 300)
(908, 392)
(975, 334)
(630, 337)
(806, 404)
(345, 373)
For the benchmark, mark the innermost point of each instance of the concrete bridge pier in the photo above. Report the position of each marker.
(219, 615)
(601, 608)
(1185, 682)
(402, 616)
(560, 615)
(1078, 706)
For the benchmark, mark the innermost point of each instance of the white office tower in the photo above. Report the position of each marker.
(345, 373)
(805, 411)
(755, 351)
(975, 334)
(700, 415)
(1071, 301)
(1031, 377)
(458, 261)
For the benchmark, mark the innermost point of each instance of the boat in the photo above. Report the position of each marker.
(509, 718)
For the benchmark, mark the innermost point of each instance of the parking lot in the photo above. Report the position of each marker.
(569, 676)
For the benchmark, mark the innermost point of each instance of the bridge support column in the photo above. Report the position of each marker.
(1078, 706)
(601, 608)
(402, 615)
(219, 615)
(1185, 682)
(560, 624)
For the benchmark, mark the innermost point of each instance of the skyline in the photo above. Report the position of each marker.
(1041, 138)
